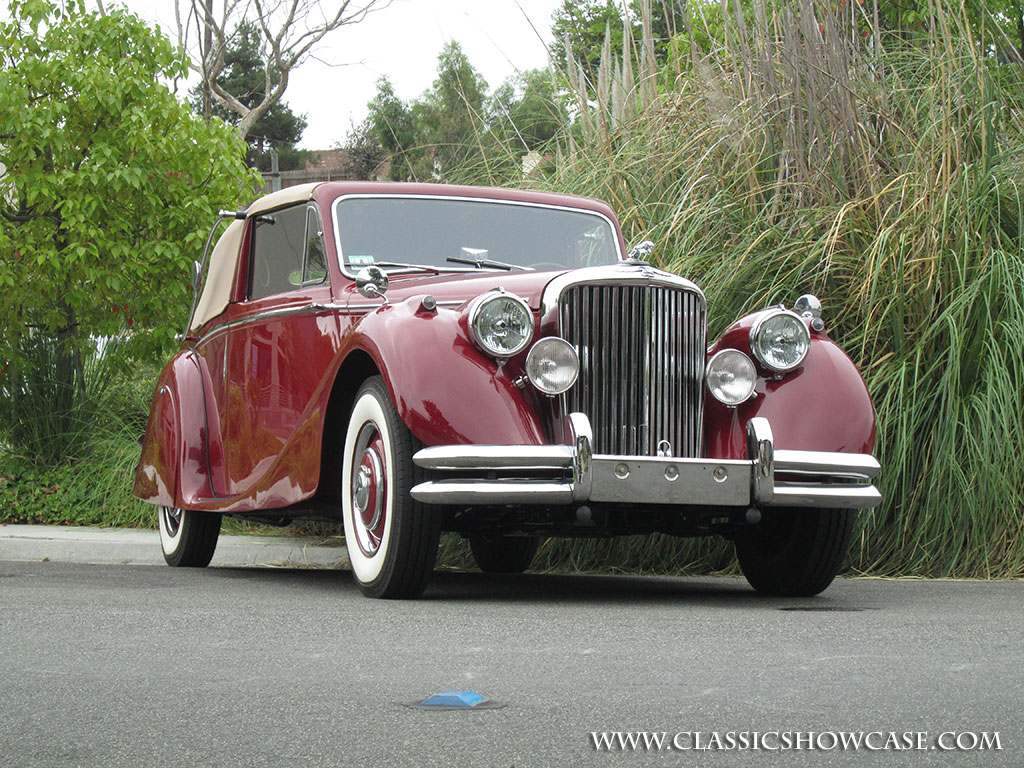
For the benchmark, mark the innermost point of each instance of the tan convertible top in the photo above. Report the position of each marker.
(224, 258)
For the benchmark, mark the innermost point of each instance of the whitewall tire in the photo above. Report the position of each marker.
(188, 538)
(391, 539)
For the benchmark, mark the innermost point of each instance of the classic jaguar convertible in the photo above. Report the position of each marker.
(420, 358)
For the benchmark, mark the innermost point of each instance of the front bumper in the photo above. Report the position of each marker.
(571, 474)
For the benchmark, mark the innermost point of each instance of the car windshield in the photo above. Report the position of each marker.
(459, 234)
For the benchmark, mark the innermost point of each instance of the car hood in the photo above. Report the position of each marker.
(463, 286)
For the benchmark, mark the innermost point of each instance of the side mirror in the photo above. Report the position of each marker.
(641, 252)
(372, 282)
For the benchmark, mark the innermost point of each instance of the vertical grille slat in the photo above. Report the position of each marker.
(641, 365)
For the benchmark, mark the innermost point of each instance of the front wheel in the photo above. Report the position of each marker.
(795, 552)
(188, 538)
(391, 539)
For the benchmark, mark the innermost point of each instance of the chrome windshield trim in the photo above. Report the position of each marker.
(464, 199)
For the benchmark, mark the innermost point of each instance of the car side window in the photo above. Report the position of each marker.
(276, 252)
(315, 268)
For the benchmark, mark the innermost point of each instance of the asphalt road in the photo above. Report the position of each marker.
(152, 666)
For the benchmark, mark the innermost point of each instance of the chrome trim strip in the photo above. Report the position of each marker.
(859, 466)
(827, 496)
(470, 492)
(464, 199)
(496, 457)
(311, 308)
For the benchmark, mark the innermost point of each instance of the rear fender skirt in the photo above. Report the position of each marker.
(174, 466)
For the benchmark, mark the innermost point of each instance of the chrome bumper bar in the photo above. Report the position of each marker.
(572, 474)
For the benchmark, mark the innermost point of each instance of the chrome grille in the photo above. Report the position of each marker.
(641, 353)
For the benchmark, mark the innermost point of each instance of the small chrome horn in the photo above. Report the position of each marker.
(372, 282)
(809, 306)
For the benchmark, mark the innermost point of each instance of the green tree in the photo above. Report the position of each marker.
(453, 110)
(243, 74)
(110, 186)
(362, 153)
(580, 27)
(526, 111)
(392, 123)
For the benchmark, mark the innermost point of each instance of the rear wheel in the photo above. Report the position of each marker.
(188, 538)
(391, 539)
(795, 552)
(495, 553)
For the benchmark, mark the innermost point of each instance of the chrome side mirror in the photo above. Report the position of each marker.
(372, 282)
(641, 252)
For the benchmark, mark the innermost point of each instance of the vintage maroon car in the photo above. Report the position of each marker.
(420, 358)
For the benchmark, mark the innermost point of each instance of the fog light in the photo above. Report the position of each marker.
(731, 377)
(552, 365)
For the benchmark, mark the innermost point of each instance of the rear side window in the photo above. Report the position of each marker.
(286, 251)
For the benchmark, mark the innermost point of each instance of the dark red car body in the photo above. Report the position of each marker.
(249, 416)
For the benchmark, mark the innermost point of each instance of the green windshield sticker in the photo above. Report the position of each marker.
(361, 261)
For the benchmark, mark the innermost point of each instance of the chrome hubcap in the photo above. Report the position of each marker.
(172, 520)
(369, 490)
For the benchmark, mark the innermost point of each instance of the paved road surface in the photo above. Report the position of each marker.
(104, 665)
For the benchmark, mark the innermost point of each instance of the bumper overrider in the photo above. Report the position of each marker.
(572, 474)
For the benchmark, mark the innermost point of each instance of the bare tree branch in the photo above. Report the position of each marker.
(290, 30)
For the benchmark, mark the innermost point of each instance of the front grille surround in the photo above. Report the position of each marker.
(640, 335)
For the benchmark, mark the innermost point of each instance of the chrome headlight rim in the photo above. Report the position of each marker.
(538, 349)
(718, 356)
(477, 306)
(757, 328)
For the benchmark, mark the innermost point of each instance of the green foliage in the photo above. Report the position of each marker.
(885, 178)
(245, 78)
(111, 185)
(526, 110)
(579, 31)
(395, 129)
(452, 111)
(363, 153)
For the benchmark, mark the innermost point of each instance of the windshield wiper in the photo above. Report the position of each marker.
(401, 265)
(481, 263)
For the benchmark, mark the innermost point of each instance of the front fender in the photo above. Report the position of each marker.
(445, 389)
(823, 405)
(174, 464)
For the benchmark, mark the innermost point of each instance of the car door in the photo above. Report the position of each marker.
(276, 358)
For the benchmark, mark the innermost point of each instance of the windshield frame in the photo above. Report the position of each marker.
(613, 230)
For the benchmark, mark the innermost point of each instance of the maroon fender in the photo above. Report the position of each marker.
(174, 466)
(822, 405)
(446, 398)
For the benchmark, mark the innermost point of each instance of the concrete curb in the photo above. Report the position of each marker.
(129, 546)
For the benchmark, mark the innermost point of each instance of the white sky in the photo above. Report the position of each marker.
(402, 42)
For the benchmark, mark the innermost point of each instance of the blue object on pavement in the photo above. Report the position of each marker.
(453, 699)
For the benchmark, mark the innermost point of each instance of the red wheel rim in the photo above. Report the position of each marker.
(369, 489)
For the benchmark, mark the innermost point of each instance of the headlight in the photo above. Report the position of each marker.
(779, 340)
(552, 365)
(731, 376)
(502, 324)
